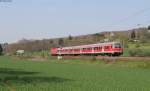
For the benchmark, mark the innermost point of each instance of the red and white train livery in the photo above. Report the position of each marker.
(109, 48)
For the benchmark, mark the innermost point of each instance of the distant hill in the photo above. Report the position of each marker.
(140, 34)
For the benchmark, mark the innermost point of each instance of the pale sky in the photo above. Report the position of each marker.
(38, 19)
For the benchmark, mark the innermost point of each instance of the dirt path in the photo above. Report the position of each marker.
(109, 58)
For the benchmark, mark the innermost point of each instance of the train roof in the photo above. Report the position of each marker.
(89, 45)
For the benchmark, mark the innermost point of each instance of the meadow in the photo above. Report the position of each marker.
(73, 75)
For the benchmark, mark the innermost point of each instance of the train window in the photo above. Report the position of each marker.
(76, 50)
(89, 48)
(117, 45)
(106, 47)
(95, 48)
(84, 49)
(100, 48)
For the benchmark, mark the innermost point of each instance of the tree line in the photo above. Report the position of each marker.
(141, 34)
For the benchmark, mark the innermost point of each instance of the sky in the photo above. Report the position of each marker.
(43, 19)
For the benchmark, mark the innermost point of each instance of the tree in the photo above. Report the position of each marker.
(61, 42)
(1, 49)
(149, 27)
(133, 35)
(96, 37)
(4, 46)
(51, 41)
(70, 37)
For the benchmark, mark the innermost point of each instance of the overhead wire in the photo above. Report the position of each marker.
(140, 12)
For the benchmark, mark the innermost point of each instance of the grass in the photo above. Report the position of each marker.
(73, 75)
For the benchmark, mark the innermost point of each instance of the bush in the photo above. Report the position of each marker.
(139, 52)
(137, 45)
(133, 52)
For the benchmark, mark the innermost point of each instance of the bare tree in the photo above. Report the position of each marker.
(133, 35)
(61, 42)
(1, 49)
(148, 27)
(70, 37)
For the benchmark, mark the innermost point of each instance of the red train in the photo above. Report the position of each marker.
(109, 49)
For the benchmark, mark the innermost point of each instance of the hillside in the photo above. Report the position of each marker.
(128, 37)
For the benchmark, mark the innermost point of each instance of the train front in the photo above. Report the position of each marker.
(117, 49)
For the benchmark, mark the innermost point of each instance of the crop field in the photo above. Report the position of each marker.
(73, 75)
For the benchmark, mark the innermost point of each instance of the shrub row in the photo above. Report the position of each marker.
(139, 52)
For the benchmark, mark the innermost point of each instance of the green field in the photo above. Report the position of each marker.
(73, 75)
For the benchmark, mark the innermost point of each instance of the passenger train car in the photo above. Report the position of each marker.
(109, 48)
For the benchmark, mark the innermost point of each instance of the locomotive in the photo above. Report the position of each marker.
(109, 49)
